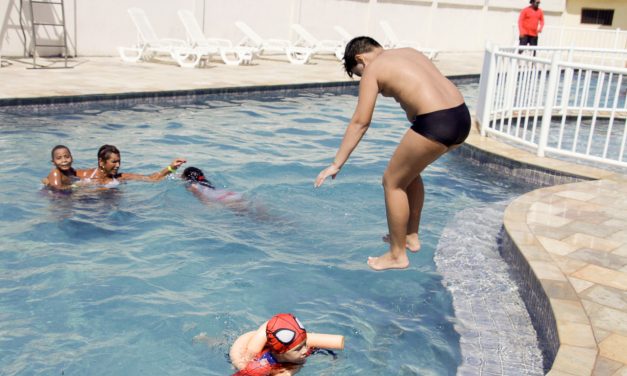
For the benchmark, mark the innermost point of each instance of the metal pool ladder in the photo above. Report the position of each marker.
(61, 24)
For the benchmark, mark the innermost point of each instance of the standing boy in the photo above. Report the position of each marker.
(440, 122)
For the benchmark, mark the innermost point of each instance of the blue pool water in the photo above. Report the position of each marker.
(145, 279)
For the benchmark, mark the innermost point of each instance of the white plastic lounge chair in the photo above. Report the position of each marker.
(208, 46)
(345, 37)
(295, 55)
(319, 46)
(392, 41)
(149, 45)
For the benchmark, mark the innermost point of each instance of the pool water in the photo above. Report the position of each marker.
(146, 279)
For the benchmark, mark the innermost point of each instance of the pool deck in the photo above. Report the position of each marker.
(574, 236)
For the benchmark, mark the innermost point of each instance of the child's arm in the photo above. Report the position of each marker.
(258, 341)
(55, 180)
(157, 176)
(288, 371)
(247, 346)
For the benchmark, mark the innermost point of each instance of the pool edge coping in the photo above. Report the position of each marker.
(578, 356)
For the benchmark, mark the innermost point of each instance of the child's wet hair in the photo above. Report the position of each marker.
(105, 152)
(59, 147)
(194, 174)
(356, 46)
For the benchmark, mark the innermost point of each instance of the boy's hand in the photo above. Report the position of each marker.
(331, 171)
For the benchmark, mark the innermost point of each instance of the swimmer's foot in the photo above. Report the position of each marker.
(387, 261)
(413, 243)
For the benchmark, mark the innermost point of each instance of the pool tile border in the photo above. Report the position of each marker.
(169, 97)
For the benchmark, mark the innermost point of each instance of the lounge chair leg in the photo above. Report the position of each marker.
(186, 58)
(134, 57)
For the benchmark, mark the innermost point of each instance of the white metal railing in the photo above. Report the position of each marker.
(578, 37)
(554, 103)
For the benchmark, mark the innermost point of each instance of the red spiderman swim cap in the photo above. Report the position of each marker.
(284, 332)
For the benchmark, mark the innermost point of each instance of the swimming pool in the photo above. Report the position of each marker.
(144, 279)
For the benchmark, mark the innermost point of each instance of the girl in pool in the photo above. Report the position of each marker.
(109, 161)
(62, 175)
(202, 188)
(279, 347)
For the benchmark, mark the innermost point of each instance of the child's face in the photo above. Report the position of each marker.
(62, 159)
(111, 164)
(297, 355)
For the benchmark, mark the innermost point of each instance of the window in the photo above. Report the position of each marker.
(597, 16)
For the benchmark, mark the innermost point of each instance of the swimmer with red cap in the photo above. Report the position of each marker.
(279, 347)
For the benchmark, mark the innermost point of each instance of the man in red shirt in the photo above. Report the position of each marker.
(530, 24)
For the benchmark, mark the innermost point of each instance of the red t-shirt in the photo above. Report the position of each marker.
(530, 22)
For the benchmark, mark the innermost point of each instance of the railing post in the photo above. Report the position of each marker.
(554, 76)
(568, 81)
(510, 88)
(486, 87)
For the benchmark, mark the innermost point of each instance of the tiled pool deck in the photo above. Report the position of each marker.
(571, 238)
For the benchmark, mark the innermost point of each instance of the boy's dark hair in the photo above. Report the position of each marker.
(105, 152)
(58, 147)
(356, 46)
(194, 174)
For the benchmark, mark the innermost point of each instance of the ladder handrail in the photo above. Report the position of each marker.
(34, 25)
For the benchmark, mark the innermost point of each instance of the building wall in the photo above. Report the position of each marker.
(96, 27)
(572, 16)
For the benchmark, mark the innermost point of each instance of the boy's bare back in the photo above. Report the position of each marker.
(413, 81)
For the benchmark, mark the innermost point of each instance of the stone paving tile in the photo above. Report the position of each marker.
(547, 219)
(603, 276)
(559, 289)
(568, 265)
(619, 236)
(577, 195)
(579, 240)
(617, 223)
(557, 247)
(601, 230)
(576, 334)
(600, 258)
(575, 360)
(621, 372)
(569, 310)
(621, 251)
(614, 347)
(606, 318)
(580, 285)
(605, 366)
(555, 233)
(606, 296)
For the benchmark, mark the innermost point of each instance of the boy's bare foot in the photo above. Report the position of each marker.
(386, 261)
(413, 243)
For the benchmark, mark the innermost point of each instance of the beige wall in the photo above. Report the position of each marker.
(572, 16)
(97, 27)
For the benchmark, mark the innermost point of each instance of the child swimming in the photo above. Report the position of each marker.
(206, 192)
(279, 347)
(62, 175)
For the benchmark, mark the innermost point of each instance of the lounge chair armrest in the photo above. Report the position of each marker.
(330, 43)
(282, 42)
(220, 42)
(174, 42)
